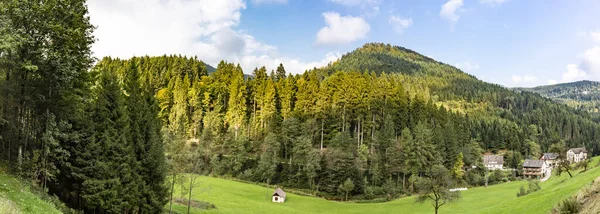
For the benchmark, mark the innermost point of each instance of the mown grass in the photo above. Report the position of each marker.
(15, 198)
(236, 197)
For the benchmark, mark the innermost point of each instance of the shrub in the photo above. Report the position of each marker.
(372, 192)
(568, 206)
(534, 186)
(196, 204)
(521, 192)
(389, 187)
(247, 175)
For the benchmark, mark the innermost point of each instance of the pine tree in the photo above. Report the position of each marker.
(106, 171)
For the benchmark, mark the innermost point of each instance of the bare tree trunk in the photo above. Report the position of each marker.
(322, 121)
(172, 188)
(190, 193)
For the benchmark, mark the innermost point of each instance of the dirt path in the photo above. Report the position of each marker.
(548, 174)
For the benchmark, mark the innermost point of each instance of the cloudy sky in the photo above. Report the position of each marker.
(509, 42)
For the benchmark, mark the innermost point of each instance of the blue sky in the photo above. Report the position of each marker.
(509, 42)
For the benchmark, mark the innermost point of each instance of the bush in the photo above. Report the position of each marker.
(474, 179)
(389, 188)
(247, 175)
(534, 186)
(372, 192)
(568, 206)
(196, 204)
(521, 192)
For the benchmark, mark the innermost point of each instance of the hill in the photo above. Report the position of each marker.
(15, 198)
(235, 197)
(360, 118)
(584, 95)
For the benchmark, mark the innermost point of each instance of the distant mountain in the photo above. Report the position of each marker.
(584, 95)
(210, 69)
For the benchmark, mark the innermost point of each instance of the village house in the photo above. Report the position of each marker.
(493, 162)
(575, 155)
(550, 158)
(279, 196)
(534, 168)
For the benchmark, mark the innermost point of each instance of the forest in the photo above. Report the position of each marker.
(582, 95)
(112, 135)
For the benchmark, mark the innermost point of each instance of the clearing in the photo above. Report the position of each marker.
(237, 197)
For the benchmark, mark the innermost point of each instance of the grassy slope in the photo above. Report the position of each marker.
(236, 197)
(15, 198)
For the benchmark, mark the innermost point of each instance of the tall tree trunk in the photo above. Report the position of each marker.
(190, 193)
(172, 188)
(322, 121)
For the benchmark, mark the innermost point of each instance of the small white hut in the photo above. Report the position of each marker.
(279, 196)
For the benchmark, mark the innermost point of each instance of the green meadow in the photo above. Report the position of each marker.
(237, 197)
(16, 198)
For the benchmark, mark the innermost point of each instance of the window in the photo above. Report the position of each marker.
(276, 198)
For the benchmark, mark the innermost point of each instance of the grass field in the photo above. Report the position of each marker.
(15, 198)
(237, 197)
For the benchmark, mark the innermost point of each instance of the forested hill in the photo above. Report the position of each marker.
(584, 95)
(366, 113)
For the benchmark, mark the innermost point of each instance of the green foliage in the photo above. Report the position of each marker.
(533, 185)
(457, 170)
(568, 206)
(435, 188)
(346, 187)
(522, 192)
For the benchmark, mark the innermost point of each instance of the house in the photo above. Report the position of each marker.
(493, 162)
(535, 168)
(279, 196)
(575, 155)
(550, 158)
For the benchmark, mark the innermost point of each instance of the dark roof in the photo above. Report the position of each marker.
(533, 163)
(279, 192)
(578, 150)
(493, 159)
(550, 156)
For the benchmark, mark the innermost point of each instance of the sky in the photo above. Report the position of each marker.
(508, 42)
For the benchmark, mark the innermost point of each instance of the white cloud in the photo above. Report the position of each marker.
(203, 28)
(588, 68)
(342, 29)
(523, 79)
(493, 2)
(595, 36)
(450, 10)
(270, 1)
(399, 24)
(467, 66)
(552, 82)
(573, 73)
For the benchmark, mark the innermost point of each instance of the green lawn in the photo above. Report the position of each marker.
(15, 198)
(237, 197)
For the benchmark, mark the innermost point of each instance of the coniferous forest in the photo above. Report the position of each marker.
(112, 135)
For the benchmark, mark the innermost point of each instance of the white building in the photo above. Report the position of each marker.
(278, 196)
(493, 162)
(550, 158)
(575, 155)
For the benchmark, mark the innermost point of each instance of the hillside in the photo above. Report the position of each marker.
(366, 114)
(235, 197)
(584, 95)
(15, 198)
